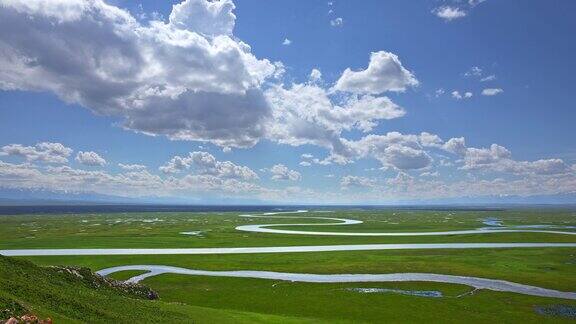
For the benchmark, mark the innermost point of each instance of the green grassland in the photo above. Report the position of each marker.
(211, 300)
(162, 230)
(552, 268)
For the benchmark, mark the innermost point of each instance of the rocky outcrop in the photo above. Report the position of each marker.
(94, 280)
(26, 319)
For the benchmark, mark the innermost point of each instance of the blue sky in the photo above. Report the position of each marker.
(410, 100)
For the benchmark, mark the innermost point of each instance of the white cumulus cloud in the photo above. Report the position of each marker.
(204, 163)
(282, 172)
(42, 152)
(90, 158)
(384, 73)
(159, 78)
(306, 114)
(205, 17)
(315, 76)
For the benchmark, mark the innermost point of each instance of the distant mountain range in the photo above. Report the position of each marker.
(39, 197)
(14, 197)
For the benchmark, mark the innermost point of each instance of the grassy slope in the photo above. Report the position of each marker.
(67, 299)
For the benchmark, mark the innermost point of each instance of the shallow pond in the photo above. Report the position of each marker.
(565, 311)
(419, 293)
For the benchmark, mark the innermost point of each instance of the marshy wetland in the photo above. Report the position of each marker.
(522, 260)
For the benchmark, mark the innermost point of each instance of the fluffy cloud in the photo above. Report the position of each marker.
(160, 78)
(497, 158)
(310, 104)
(406, 158)
(539, 167)
(305, 114)
(65, 178)
(17, 173)
(449, 13)
(127, 184)
(455, 9)
(491, 171)
(215, 185)
(500, 160)
(455, 146)
(90, 158)
(406, 152)
(476, 158)
(400, 151)
(429, 140)
(315, 76)
(491, 91)
(210, 18)
(205, 163)
(176, 164)
(188, 78)
(364, 111)
(384, 73)
(281, 172)
(42, 152)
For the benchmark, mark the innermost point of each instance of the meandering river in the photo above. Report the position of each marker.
(283, 249)
(267, 228)
(478, 283)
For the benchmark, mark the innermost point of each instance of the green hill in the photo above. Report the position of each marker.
(73, 295)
